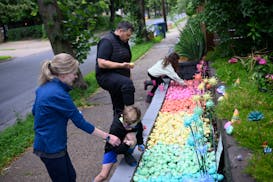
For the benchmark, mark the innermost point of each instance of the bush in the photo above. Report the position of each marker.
(191, 40)
(31, 32)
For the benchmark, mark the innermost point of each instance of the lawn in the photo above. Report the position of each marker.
(4, 58)
(246, 97)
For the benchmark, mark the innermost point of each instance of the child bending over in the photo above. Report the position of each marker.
(128, 128)
(165, 67)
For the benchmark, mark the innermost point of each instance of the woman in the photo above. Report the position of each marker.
(52, 109)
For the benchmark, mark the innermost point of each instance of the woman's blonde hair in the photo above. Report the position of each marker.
(131, 114)
(60, 64)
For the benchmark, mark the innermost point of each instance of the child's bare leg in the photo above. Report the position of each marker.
(103, 175)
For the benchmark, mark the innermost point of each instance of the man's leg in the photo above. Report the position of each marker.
(121, 89)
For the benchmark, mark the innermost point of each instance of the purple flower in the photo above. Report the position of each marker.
(269, 76)
(262, 61)
(233, 60)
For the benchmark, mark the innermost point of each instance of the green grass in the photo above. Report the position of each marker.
(14, 140)
(80, 96)
(139, 49)
(4, 58)
(246, 98)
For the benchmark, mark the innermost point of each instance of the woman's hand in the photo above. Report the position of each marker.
(113, 140)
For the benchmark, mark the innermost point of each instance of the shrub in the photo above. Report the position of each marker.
(191, 40)
(36, 31)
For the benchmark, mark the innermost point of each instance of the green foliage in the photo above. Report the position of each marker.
(191, 40)
(245, 98)
(247, 20)
(3, 58)
(260, 68)
(79, 95)
(190, 9)
(14, 140)
(12, 11)
(135, 16)
(35, 32)
(254, 30)
(79, 23)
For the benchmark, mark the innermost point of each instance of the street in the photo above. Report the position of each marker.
(19, 79)
(19, 76)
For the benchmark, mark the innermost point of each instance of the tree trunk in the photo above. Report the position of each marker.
(112, 12)
(142, 20)
(164, 14)
(148, 13)
(52, 19)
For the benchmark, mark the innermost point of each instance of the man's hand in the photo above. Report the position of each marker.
(128, 65)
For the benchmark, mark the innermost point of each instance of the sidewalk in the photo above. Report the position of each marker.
(24, 48)
(86, 151)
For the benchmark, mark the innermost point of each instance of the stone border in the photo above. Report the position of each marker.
(231, 166)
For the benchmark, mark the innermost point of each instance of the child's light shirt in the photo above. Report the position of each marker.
(158, 70)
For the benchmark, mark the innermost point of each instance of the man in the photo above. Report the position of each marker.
(113, 66)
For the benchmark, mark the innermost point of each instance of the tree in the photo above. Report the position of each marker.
(15, 12)
(112, 9)
(69, 25)
(246, 19)
(164, 14)
(12, 11)
(137, 16)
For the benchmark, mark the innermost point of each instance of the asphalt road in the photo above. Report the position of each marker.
(19, 78)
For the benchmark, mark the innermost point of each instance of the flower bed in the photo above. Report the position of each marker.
(181, 146)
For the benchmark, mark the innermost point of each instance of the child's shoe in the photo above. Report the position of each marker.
(149, 99)
(147, 83)
(129, 159)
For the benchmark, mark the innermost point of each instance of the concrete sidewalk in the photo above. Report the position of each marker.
(86, 151)
(24, 48)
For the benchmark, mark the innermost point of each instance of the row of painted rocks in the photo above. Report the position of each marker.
(181, 146)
